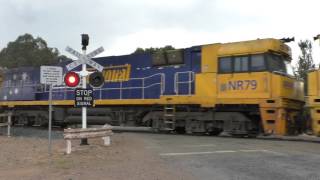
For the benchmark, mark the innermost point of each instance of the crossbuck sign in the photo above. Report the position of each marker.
(84, 59)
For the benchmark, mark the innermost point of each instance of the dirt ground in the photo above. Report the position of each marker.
(127, 158)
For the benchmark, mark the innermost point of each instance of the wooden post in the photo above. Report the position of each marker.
(68, 146)
(106, 140)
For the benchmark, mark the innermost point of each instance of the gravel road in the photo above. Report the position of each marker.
(217, 158)
(156, 156)
(25, 156)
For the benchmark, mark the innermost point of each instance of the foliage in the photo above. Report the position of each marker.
(153, 50)
(305, 62)
(28, 51)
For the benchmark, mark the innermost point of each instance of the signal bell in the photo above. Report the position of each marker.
(96, 79)
(72, 79)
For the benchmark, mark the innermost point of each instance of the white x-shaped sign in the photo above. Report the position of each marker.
(84, 59)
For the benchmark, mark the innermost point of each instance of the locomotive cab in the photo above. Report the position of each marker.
(254, 79)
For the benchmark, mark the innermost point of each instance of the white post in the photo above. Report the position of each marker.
(84, 109)
(84, 86)
(9, 124)
(106, 141)
(69, 146)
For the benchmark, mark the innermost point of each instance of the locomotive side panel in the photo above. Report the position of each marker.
(193, 91)
(20, 84)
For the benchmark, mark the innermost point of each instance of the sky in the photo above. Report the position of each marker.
(120, 26)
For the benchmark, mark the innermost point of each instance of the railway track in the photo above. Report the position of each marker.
(34, 130)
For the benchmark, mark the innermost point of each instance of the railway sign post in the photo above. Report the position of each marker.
(84, 59)
(83, 98)
(50, 75)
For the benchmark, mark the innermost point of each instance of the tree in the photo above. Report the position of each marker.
(153, 50)
(28, 51)
(305, 62)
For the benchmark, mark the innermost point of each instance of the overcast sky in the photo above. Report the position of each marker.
(120, 26)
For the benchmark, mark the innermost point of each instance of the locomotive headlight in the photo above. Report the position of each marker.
(10, 92)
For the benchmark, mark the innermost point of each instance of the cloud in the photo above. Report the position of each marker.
(122, 25)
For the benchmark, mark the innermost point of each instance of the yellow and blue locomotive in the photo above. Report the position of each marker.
(241, 88)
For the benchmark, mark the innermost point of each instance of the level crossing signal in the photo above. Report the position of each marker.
(72, 79)
(96, 80)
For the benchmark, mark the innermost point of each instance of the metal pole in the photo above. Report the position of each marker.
(143, 88)
(84, 141)
(50, 118)
(120, 89)
(84, 109)
(190, 76)
(65, 94)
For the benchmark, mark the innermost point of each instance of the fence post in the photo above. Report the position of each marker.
(68, 146)
(106, 141)
(9, 124)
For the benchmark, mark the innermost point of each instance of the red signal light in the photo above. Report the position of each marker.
(71, 79)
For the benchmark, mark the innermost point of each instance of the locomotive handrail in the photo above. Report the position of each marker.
(120, 88)
(8, 83)
(20, 85)
(143, 87)
(189, 81)
(147, 77)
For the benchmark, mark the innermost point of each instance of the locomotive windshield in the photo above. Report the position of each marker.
(256, 63)
(280, 64)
